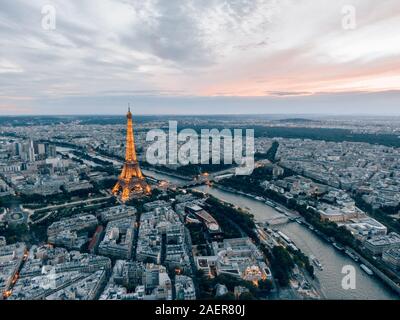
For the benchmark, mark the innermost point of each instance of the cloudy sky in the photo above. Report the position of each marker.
(200, 56)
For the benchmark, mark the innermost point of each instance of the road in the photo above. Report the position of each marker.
(60, 206)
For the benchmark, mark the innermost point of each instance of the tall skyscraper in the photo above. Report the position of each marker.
(31, 151)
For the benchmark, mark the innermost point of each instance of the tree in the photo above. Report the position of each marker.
(246, 296)
(282, 257)
(281, 265)
(310, 269)
(206, 285)
(265, 285)
(227, 296)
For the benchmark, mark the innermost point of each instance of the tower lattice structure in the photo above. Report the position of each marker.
(131, 182)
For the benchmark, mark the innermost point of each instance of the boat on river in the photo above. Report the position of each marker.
(366, 269)
(316, 262)
(352, 255)
(338, 246)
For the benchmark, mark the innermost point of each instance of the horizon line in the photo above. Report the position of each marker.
(205, 114)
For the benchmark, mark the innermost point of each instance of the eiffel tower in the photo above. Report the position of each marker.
(131, 180)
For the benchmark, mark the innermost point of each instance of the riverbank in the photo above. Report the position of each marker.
(145, 168)
(378, 273)
(307, 241)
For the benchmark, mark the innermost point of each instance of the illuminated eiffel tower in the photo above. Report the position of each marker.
(131, 182)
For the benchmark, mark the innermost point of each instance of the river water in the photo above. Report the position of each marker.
(161, 176)
(330, 278)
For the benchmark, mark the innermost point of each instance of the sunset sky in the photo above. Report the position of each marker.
(210, 56)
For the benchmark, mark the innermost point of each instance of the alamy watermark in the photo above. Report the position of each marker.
(49, 17)
(190, 147)
(349, 280)
(349, 19)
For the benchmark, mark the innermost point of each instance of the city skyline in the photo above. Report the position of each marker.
(213, 151)
(323, 193)
(217, 57)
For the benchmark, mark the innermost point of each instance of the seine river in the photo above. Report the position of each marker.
(330, 278)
